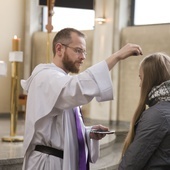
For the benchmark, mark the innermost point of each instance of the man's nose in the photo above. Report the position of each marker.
(83, 56)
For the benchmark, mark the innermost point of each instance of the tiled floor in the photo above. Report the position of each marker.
(14, 150)
(10, 150)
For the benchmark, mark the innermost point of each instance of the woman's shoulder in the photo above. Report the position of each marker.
(160, 107)
(157, 112)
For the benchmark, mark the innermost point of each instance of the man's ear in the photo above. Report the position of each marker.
(59, 49)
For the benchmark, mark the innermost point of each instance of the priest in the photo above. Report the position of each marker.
(55, 135)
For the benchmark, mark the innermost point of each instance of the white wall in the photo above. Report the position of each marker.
(12, 23)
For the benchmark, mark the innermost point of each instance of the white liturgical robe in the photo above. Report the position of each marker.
(50, 121)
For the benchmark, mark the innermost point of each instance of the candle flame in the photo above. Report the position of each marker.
(15, 37)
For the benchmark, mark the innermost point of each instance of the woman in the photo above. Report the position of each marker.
(147, 145)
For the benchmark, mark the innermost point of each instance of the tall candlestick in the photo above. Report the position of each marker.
(15, 43)
(14, 57)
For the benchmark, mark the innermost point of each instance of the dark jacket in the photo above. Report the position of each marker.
(150, 149)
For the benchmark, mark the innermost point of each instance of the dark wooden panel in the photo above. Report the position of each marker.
(82, 4)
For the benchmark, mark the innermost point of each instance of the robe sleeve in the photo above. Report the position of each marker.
(81, 89)
(93, 146)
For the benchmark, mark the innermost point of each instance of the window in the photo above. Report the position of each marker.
(151, 12)
(81, 19)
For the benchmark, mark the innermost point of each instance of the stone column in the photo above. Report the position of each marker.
(32, 24)
(107, 41)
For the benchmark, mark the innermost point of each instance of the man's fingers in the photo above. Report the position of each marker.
(137, 50)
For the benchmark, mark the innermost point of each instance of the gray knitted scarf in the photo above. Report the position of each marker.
(160, 93)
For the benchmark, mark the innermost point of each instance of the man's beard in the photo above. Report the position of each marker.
(69, 65)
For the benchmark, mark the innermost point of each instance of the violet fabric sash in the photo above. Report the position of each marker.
(82, 155)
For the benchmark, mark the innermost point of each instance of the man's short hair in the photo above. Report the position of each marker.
(64, 37)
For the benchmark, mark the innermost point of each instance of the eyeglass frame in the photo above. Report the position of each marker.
(77, 50)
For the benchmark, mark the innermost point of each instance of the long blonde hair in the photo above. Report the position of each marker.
(156, 70)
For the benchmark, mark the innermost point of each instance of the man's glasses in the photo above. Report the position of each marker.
(77, 50)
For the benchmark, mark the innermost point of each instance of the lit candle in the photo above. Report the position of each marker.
(15, 43)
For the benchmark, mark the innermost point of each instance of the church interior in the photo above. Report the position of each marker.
(17, 60)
